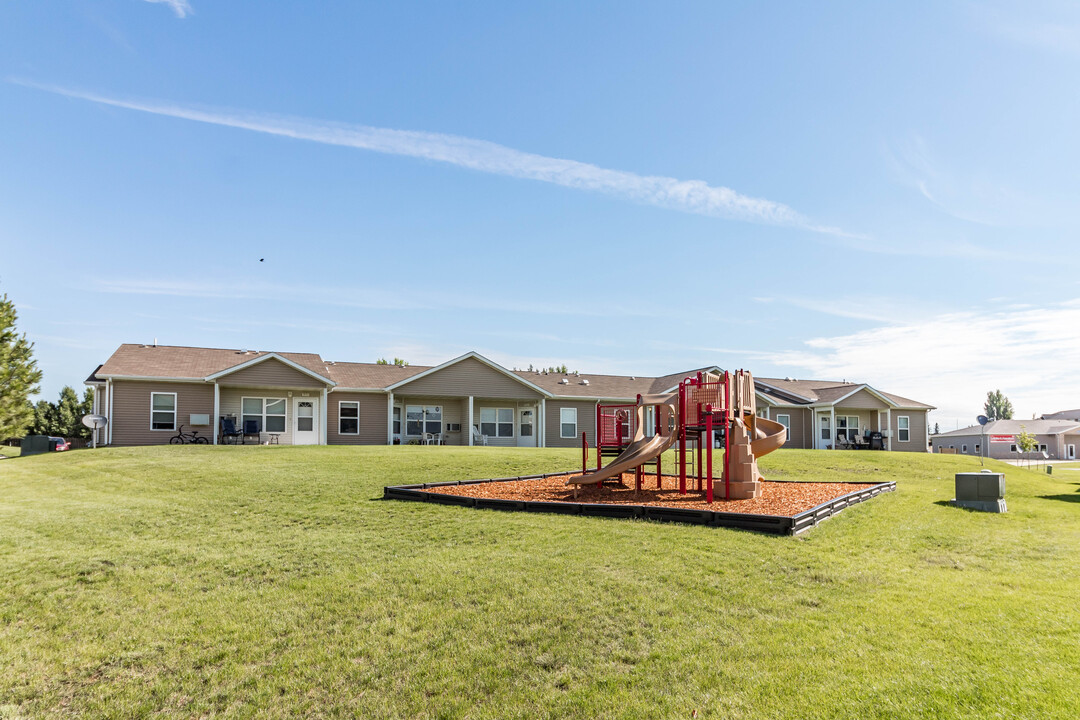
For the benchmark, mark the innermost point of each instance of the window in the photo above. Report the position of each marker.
(826, 433)
(275, 415)
(497, 422)
(397, 419)
(349, 418)
(268, 413)
(963, 449)
(847, 427)
(1012, 448)
(162, 411)
(903, 425)
(1042, 448)
(420, 419)
(784, 420)
(978, 449)
(568, 422)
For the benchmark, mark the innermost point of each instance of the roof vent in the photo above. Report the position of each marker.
(788, 379)
(564, 381)
(633, 378)
(584, 381)
(575, 373)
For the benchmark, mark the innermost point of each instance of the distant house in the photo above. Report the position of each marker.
(824, 414)
(1058, 438)
(149, 391)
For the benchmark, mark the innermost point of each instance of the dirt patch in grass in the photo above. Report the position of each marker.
(777, 498)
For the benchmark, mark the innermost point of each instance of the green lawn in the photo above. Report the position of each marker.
(274, 582)
(9, 451)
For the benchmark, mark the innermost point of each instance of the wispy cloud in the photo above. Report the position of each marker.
(182, 8)
(690, 196)
(365, 298)
(951, 361)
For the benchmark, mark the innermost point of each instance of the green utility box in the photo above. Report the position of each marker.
(983, 491)
(34, 444)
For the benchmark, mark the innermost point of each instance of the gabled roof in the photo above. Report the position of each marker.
(190, 363)
(475, 356)
(1012, 427)
(1063, 415)
(263, 357)
(829, 392)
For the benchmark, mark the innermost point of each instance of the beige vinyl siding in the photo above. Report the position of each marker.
(917, 425)
(799, 432)
(586, 422)
(863, 400)
(270, 373)
(131, 410)
(372, 419)
(468, 377)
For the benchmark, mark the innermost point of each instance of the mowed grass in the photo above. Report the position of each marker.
(275, 582)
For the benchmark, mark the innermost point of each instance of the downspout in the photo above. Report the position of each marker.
(109, 396)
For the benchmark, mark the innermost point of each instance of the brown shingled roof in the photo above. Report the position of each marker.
(371, 375)
(170, 361)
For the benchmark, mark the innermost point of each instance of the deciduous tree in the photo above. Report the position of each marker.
(997, 406)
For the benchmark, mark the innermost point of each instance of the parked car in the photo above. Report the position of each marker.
(61, 443)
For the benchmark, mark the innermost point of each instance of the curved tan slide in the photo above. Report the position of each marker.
(770, 436)
(638, 452)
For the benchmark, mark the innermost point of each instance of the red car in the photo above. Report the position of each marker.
(61, 443)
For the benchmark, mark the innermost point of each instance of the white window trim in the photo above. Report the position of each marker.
(175, 412)
(562, 422)
(348, 402)
(899, 429)
(513, 423)
(263, 415)
(963, 449)
(782, 422)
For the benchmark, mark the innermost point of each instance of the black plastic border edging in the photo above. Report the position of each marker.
(771, 524)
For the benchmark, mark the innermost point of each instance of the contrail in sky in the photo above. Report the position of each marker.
(690, 196)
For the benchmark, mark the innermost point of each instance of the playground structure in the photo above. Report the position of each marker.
(706, 410)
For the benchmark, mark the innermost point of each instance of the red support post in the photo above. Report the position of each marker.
(709, 439)
(584, 453)
(682, 437)
(729, 426)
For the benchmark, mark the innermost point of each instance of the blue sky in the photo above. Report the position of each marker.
(844, 190)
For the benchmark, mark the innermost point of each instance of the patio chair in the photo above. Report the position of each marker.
(251, 427)
(228, 430)
(478, 439)
(428, 439)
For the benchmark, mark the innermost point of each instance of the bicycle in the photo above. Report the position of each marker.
(183, 438)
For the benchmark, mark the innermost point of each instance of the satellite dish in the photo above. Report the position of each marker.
(983, 419)
(95, 422)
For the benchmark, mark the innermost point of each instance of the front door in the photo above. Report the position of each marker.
(1072, 452)
(527, 427)
(305, 429)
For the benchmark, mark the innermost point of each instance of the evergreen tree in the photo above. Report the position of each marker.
(19, 375)
(997, 406)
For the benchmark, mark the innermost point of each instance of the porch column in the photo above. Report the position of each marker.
(323, 418)
(832, 425)
(217, 411)
(390, 418)
(888, 424)
(542, 433)
(469, 430)
(108, 407)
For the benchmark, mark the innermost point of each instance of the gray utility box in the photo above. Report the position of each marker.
(34, 444)
(981, 491)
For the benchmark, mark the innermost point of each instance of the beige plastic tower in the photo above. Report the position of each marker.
(751, 438)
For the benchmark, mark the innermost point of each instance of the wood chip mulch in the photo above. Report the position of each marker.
(777, 498)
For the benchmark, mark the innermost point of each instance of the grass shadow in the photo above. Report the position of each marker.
(1075, 498)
